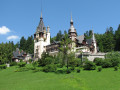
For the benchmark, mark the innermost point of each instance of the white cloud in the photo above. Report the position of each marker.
(4, 30)
(13, 37)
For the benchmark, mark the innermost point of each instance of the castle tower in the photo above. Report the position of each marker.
(41, 39)
(94, 42)
(72, 33)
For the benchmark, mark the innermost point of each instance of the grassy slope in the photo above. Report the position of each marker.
(107, 79)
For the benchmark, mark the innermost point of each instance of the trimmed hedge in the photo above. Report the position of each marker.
(3, 66)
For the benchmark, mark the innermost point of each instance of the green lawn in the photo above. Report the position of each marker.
(107, 79)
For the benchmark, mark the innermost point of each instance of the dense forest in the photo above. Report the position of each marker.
(107, 42)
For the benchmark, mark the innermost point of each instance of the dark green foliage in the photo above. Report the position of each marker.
(68, 71)
(6, 50)
(72, 68)
(13, 63)
(117, 39)
(106, 63)
(30, 60)
(89, 65)
(88, 34)
(59, 65)
(115, 68)
(22, 69)
(35, 64)
(46, 60)
(50, 68)
(99, 69)
(21, 64)
(3, 66)
(64, 47)
(98, 61)
(78, 70)
(114, 58)
(27, 45)
(115, 62)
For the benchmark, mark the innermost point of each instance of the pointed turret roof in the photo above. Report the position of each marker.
(72, 29)
(41, 24)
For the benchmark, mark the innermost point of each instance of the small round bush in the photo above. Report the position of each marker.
(106, 63)
(78, 70)
(99, 69)
(115, 68)
(89, 65)
(68, 71)
(98, 61)
(50, 68)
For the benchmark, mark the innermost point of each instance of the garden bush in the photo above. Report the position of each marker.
(3, 66)
(46, 61)
(106, 63)
(78, 70)
(13, 63)
(59, 65)
(68, 71)
(21, 64)
(98, 61)
(72, 68)
(35, 64)
(99, 69)
(115, 68)
(50, 68)
(115, 61)
(89, 65)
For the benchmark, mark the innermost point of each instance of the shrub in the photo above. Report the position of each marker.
(35, 64)
(115, 68)
(99, 69)
(106, 63)
(115, 61)
(21, 64)
(3, 66)
(78, 70)
(89, 65)
(72, 68)
(30, 60)
(68, 71)
(59, 65)
(46, 61)
(98, 61)
(13, 63)
(50, 68)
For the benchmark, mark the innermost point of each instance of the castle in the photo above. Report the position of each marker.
(42, 41)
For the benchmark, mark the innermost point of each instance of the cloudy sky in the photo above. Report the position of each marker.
(21, 17)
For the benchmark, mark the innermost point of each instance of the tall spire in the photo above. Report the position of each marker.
(41, 15)
(71, 18)
(93, 36)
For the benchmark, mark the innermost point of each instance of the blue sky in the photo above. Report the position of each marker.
(21, 17)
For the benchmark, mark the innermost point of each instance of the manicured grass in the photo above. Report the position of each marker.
(107, 79)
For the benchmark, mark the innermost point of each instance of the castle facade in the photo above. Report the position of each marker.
(42, 41)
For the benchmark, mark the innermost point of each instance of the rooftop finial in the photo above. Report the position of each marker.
(41, 14)
(41, 9)
(71, 17)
